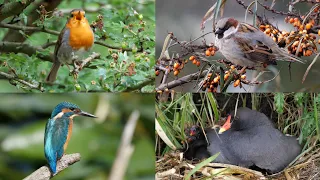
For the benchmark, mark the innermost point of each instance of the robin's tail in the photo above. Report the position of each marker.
(53, 72)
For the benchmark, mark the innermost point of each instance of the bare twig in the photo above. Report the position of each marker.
(125, 149)
(84, 62)
(44, 172)
(15, 78)
(182, 80)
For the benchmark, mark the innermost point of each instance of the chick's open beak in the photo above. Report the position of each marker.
(82, 113)
(226, 125)
(79, 16)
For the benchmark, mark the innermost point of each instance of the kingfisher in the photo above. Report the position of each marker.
(58, 131)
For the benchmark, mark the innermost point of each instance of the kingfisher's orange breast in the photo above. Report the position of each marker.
(81, 36)
(69, 134)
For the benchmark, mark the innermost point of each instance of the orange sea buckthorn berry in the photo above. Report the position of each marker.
(318, 41)
(191, 58)
(176, 72)
(296, 19)
(232, 67)
(157, 72)
(212, 52)
(291, 20)
(243, 77)
(319, 32)
(226, 76)
(194, 61)
(267, 31)
(198, 63)
(176, 65)
(308, 52)
(208, 53)
(308, 26)
(236, 83)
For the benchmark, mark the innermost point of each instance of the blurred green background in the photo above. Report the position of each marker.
(22, 123)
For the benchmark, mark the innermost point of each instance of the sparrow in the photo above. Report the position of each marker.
(244, 45)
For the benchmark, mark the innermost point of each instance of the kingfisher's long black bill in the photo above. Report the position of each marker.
(82, 113)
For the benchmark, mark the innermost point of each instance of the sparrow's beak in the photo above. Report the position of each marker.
(82, 113)
(219, 31)
(226, 125)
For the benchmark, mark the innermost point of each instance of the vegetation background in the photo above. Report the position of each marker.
(22, 123)
(124, 36)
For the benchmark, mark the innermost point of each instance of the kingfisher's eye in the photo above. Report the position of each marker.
(71, 109)
(71, 15)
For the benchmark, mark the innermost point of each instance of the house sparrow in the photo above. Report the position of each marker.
(245, 45)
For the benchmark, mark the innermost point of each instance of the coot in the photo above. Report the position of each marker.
(250, 140)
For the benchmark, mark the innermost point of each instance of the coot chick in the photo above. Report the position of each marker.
(251, 140)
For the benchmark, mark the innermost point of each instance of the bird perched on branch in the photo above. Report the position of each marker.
(247, 46)
(58, 131)
(76, 37)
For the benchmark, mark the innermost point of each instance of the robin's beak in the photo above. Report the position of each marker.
(226, 125)
(82, 113)
(79, 16)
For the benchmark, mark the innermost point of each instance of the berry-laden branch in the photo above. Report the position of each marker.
(301, 42)
(44, 172)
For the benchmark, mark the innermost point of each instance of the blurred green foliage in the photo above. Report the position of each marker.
(22, 123)
(125, 24)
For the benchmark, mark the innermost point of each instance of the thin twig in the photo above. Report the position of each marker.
(84, 62)
(44, 172)
(182, 80)
(125, 149)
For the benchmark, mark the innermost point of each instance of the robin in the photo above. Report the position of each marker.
(75, 38)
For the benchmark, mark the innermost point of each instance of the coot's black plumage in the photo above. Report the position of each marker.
(252, 140)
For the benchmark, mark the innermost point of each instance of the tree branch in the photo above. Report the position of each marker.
(13, 8)
(42, 29)
(84, 62)
(182, 80)
(36, 86)
(44, 173)
(17, 47)
(140, 85)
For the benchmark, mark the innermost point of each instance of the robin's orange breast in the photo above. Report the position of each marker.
(81, 37)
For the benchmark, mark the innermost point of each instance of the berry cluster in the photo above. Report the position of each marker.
(301, 42)
(211, 82)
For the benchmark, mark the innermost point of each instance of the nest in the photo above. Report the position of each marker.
(174, 167)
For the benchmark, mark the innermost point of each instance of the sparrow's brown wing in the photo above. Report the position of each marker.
(254, 50)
